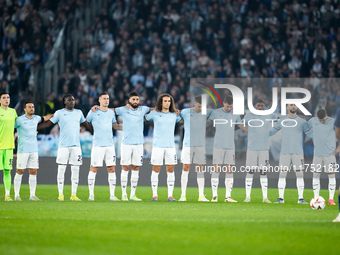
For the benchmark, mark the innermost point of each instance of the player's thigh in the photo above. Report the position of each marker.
(137, 154)
(298, 162)
(76, 157)
(229, 157)
(218, 156)
(170, 156)
(199, 156)
(110, 156)
(285, 162)
(126, 154)
(185, 155)
(63, 155)
(33, 160)
(264, 159)
(330, 164)
(157, 156)
(22, 160)
(252, 159)
(97, 156)
(317, 164)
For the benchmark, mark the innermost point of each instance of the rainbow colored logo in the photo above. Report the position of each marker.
(209, 93)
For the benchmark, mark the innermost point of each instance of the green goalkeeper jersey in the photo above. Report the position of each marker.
(7, 121)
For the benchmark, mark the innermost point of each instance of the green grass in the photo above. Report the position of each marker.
(105, 227)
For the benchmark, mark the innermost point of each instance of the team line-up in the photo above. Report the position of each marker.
(100, 120)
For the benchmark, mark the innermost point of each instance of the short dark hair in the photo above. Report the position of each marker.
(259, 100)
(134, 94)
(65, 97)
(228, 99)
(3, 93)
(198, 99)
(28, 102)
(321, 114)
(103, 94)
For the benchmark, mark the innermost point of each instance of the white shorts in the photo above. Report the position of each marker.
(28, 160)
(320, 162)
(72, 155)
(100, 154)
(257, 159)
(131, 154)
(193, 155)
(169, 154)
(287, 160)
(224, 157)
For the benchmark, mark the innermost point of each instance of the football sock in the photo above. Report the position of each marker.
(134, 182)
(112, 183)
(264, 185)
(91, 179)
(17, 184)
(171, 183)
(300, 183)
(154, 182)
(282, 184)
(74, 179)
(229, 182)
(32, 181)
(331, 185)
(124, 181)
(316, 184)
(200, 183)
(184, 182)
(61, 178)
(214, 183)
(339, 203)
(248, 184)
(7, 181)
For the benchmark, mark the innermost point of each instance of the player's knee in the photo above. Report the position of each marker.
(186, 167)
(111, 169)
(134, 168)
(94, 169)
(126, 168)
(33, 171)
(170, 169)
(20, 171)
(156, 169)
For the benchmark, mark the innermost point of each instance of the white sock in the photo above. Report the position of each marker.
(124, 181)
(184, 182)
(316, 184)
(7, 192)
(171, 183)
(112, 183)
(300, 183)
(134, 182)
(61, 178)
(214, 183)
(74, 179)
(331, 185)
(17, 184)
(91, 179)
(229, 182)
(200, 184)
(264, 185)
(282, 184)
(154, 183)
(249, 184)
(32, 181)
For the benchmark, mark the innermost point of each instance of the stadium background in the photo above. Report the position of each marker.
(50, 48)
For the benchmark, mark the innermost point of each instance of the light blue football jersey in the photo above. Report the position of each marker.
(164, 128)
(194, 127)
(258, 134)
(102, 127)
(69, 123)
(292, 134)
(133, 124)
(225, 133)
(323, 136)
(27, 133)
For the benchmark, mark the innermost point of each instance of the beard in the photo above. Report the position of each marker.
(292, 111)
(134, 106)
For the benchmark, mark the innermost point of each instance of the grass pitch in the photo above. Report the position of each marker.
(106, 227)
